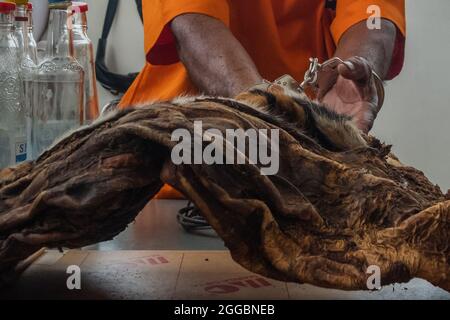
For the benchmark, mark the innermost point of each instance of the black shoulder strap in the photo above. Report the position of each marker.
(330, 4)
(115, 83)
(139, 8)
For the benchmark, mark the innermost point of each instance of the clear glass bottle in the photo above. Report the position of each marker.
(58, 83)
(32, 45)
(13, 147)
(84, 53)
(28, 56)
(24, 30)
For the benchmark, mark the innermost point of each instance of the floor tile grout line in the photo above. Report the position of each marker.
(84, 259)
(178, 277)
(287, 290)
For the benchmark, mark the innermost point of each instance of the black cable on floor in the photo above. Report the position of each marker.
(191, 219)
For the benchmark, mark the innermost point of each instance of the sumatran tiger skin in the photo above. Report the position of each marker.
(295, 110)
(340, 203)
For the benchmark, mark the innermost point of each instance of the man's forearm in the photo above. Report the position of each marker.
(215, 60)
(377, 46)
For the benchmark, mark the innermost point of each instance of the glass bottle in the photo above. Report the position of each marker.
(28, 56)
(13, 147)
(32, 46)
(58, 83)
(21, 31)
(84, 53)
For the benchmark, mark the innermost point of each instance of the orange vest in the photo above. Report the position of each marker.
(279, 35)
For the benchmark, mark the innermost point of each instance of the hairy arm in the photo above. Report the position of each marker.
(216, 61)
(376, 46)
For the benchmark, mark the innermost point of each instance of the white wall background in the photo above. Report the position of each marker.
(416, 115)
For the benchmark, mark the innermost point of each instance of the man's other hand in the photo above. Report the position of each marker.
(351, 90)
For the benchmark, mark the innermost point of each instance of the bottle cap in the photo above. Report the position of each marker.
(20, 2)
(80, 7)
(59, 4)
(7, 7)
(29, 6)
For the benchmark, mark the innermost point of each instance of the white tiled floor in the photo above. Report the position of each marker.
(177, 275)
(186, 267)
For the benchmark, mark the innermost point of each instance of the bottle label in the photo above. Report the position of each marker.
(21, 151)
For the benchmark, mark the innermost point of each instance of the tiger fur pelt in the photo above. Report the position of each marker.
(340, 202)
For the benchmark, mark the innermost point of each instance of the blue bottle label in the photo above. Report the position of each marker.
(21, 152)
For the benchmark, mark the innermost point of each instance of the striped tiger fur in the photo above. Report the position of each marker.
(288, 108)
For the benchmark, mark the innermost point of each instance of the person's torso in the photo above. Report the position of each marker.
(279, 35)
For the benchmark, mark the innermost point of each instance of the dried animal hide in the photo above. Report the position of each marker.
(340, 202)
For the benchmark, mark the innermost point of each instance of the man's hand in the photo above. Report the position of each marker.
(351, 90)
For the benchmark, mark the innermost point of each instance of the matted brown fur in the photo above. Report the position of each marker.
(340, 203)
